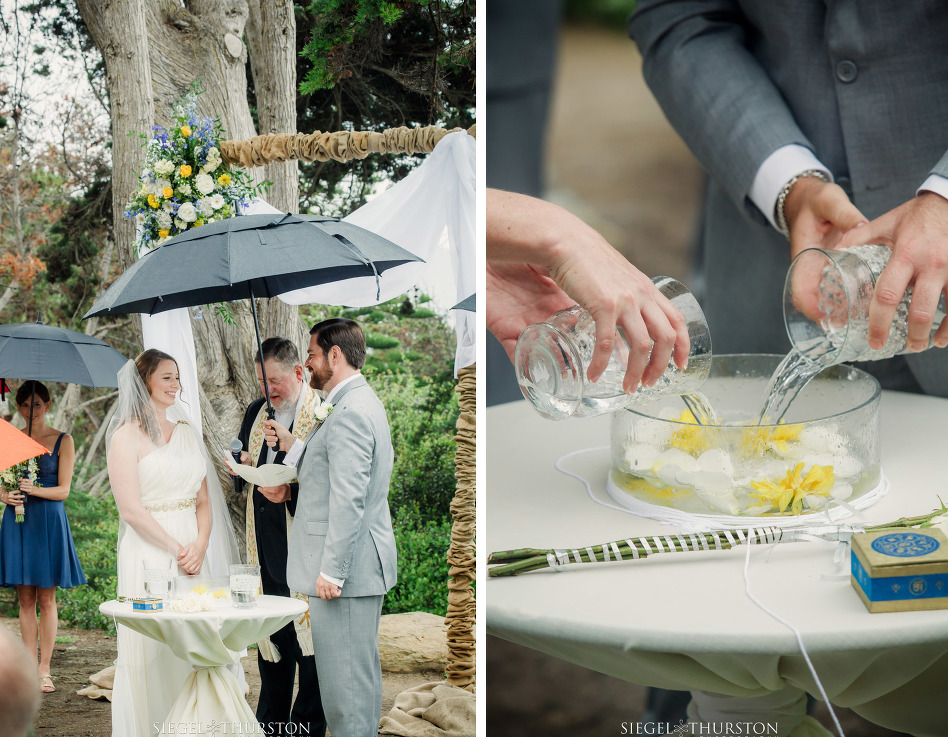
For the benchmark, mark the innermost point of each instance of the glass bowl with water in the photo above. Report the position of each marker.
(824, 453)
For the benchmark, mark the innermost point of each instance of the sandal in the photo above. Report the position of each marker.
(46, 684)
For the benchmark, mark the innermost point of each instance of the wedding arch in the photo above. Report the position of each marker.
(435, 202)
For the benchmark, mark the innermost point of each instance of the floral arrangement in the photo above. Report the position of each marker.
(10, 479)
(322, 412)
(184, 184)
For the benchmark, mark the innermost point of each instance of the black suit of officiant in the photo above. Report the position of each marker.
(277, 679)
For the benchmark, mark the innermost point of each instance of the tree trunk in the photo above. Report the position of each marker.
(271, 35)
(154, 50)
(119, 31)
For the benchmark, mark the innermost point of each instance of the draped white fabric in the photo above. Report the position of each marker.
(430, 213)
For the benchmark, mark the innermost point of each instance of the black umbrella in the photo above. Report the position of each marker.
(246, 257)
(33, 350)
(468, 304)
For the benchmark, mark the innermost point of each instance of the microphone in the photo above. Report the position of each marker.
(235, 448)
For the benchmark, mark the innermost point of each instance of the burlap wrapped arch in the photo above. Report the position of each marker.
(342, 146)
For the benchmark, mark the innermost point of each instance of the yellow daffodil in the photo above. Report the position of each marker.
(185, 130)
(783, 436)
(153, 201)
(692, 439)
(167, 192)
(163, 233)
(224, 179)
(185, 171)
(789, 492)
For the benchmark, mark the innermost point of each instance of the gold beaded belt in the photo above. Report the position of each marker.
(172, 506)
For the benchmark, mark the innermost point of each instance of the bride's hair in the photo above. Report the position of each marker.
(147, 363)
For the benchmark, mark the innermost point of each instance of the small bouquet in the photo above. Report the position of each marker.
(10, 479)
(184, 183)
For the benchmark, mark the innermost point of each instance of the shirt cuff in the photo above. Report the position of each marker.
(778, 169)
(294, 453)
(936, 184)
(335, 581)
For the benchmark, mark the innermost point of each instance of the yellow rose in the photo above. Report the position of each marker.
(162, 233)
(185, 130)
(153, 201)
(185, 170)
(223, 179)
(167, 192)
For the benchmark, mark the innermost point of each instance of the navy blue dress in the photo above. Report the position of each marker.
(39, 551)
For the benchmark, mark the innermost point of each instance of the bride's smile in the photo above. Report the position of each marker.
(163, 385)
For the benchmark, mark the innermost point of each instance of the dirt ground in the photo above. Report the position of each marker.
(614, 161)
(81, 653)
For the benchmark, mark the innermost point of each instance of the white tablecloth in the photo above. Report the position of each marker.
(211, 698)
(683, 621)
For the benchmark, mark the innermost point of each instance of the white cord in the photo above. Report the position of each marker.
(796, 633)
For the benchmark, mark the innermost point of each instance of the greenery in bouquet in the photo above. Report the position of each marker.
(10, 479)
(184, 184)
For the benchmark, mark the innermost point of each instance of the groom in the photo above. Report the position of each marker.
(270, 513)
(342, 549)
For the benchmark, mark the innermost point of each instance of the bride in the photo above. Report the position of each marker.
(160, 477)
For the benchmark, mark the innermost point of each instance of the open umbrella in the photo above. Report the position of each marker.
(16, 446)
(469, 303)
(245, 257)
(32, 350)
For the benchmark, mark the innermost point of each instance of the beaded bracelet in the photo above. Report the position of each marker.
(780, 217)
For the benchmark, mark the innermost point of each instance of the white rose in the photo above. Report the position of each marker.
(204, 183)
(323, 410)
(164, 220)
(187, 212)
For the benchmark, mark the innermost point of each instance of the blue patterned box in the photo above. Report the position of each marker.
(146, 605)
(900, 571)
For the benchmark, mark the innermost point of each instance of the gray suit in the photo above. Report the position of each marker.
(343, 528)
(862, 83)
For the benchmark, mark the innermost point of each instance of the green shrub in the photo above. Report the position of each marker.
(422, 566)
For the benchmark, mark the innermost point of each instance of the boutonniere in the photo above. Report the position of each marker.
(322, 411)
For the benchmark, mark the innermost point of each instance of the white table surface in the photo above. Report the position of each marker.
(683, 621)
(210, 697)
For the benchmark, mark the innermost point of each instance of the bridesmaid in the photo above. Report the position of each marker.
(38, 554)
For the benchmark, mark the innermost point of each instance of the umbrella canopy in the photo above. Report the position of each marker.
(47, 353)
(248, 256)
(468, 303)
(245, 257)
(16, 446)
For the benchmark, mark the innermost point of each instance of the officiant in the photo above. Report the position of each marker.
(270, 513)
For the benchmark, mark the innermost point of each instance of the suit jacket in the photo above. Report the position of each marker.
(862, 83)
(343, 526)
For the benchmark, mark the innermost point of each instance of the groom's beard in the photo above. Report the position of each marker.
(319, 377)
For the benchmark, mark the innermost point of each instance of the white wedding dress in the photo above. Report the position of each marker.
(148, 676)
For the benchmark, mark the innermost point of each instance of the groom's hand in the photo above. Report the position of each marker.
(274, 432)
(327, 590)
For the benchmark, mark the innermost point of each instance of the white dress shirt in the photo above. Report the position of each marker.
(788, 161)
